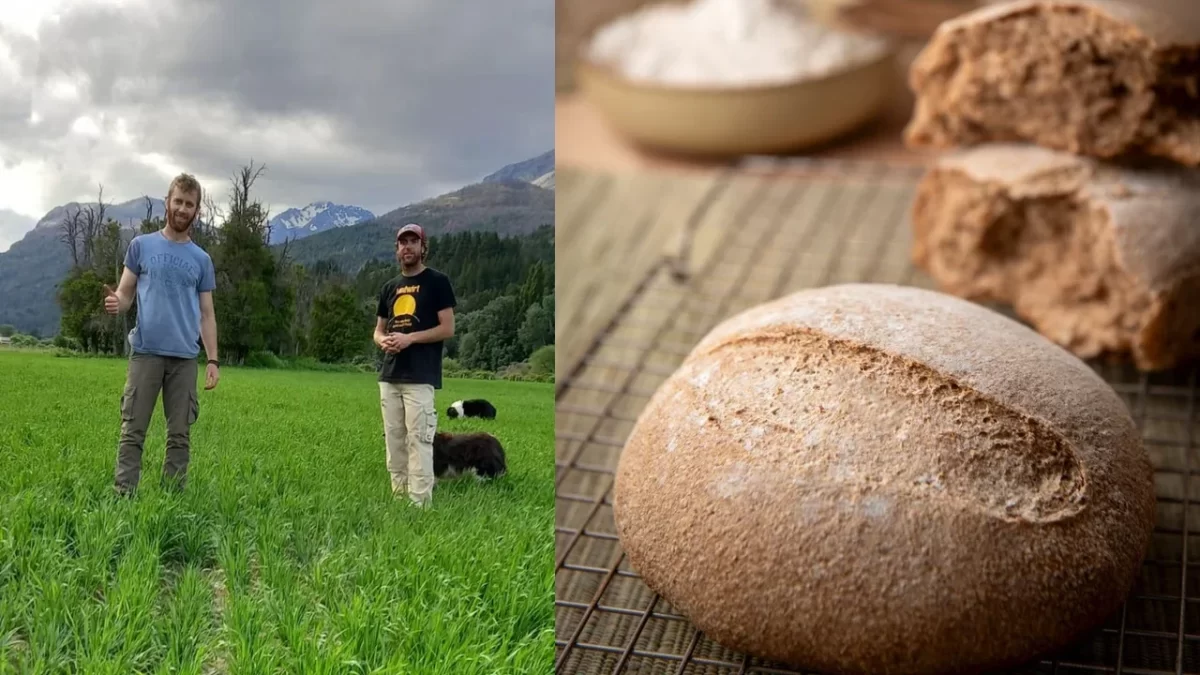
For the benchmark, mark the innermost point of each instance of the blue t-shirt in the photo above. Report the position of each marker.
(171, 277)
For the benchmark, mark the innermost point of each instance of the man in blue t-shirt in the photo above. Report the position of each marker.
(172, 279)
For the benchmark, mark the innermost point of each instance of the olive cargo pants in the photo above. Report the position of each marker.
(148, 375)
(409, 423)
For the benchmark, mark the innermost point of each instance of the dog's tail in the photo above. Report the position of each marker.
(491, 467)
(494, 464)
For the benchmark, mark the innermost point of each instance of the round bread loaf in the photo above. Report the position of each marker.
(878, 479)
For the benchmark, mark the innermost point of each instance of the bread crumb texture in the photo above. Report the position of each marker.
(1092, 77)
(879, 479)
(1101, 257)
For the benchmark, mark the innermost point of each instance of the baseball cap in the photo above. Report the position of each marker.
(414, 228)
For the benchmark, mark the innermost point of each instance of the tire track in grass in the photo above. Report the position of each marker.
(217, 662)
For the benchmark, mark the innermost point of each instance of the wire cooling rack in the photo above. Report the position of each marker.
(805, 225)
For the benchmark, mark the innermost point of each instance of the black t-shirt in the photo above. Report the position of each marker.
(409, 305)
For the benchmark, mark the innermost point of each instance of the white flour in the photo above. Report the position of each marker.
(726, 42)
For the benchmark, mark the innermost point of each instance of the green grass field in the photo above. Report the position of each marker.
(286, 553)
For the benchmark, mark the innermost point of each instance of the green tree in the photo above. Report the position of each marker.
(81, 297)
(7, 330)
(541, 362)
(254, 300)
(535, 286)
(340, 330)
(491, 339)
(537, 329)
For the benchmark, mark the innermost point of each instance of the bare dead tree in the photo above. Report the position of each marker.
(251, 214)
(211, 212)
(100, 207)
(281, 263)
(242, 183)
(267, 228)
(147, 225)
(88, 234)
(69, 231)
(264, 215)
(207, 220)
(93, 226)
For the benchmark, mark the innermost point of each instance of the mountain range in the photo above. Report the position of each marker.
(516, 199)
(129, 214)
(316, 217)
(509, 208)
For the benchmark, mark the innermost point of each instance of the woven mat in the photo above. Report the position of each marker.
(652, 262)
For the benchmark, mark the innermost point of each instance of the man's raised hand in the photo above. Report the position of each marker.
(112, 304)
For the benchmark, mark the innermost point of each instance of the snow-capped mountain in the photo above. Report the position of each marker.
(316, 217)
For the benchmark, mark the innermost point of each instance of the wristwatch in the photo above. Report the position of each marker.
(214, 362)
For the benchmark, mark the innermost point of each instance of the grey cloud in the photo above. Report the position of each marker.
(16, 90)
(419, 95)
(132, 172)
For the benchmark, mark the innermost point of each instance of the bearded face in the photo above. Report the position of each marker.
(182, 208)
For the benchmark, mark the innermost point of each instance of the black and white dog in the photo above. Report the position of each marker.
(458, 454)
(475, 407)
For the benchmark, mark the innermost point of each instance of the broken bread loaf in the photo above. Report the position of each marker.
(870, 478)
(1092, 77)
(1103, 259)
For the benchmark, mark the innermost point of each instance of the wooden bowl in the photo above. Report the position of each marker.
(725, 121)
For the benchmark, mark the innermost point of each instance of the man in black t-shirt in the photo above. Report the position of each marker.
(415, 316)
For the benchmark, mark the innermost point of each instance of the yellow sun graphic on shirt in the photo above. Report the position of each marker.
(405, 305)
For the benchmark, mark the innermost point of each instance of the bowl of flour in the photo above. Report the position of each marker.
(728, 77)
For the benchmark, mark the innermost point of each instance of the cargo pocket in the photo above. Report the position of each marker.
(430, 428)
(193, 407)
(128, 397)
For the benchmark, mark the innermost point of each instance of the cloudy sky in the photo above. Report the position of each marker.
(374, 103)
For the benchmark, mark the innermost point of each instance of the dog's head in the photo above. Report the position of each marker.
(455, 410)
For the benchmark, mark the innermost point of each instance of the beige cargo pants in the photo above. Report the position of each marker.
(409, 423)
(148, 376)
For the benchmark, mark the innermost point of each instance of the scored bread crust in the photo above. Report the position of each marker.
(870, 478)
(1094, 77)
(1100, 257)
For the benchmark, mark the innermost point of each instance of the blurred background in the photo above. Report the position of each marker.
(587, 135)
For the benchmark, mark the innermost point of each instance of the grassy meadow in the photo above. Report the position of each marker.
(286, 553)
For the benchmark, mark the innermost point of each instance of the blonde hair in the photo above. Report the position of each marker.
(187, 183)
